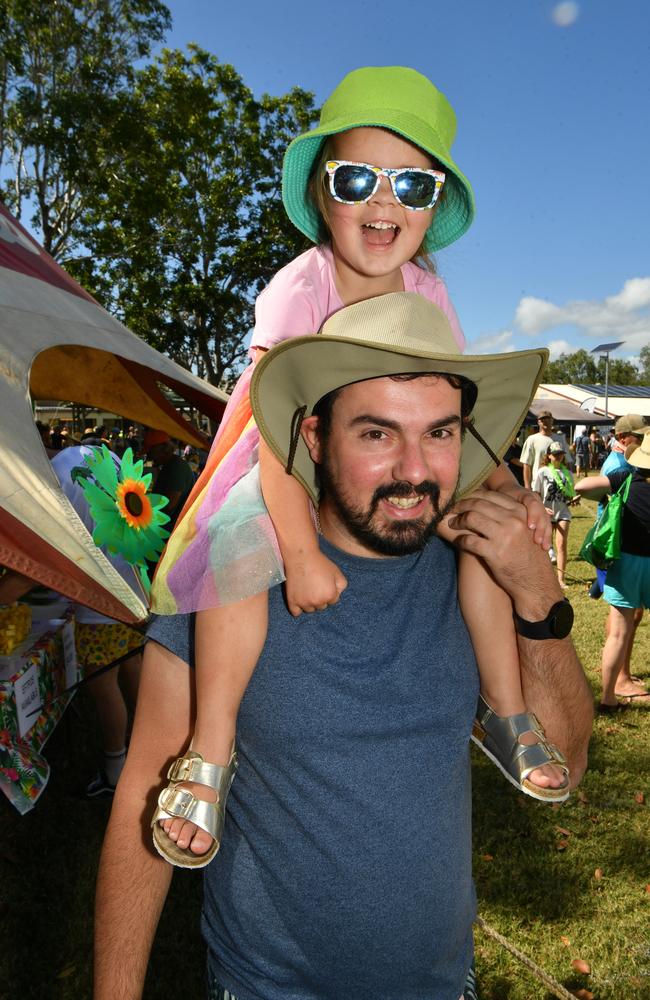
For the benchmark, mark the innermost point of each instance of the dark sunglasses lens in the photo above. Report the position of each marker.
(354, 183)
(415, 190)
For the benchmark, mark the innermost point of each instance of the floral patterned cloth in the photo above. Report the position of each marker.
(24, 772)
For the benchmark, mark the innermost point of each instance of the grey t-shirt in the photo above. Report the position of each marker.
(345, 867)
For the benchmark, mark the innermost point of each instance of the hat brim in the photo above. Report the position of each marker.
(454, 212)
(300, 371)
(638, 455)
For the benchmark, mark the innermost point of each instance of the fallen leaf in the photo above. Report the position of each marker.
(487, 857)
(565, 941)
(598, 874)
(66, 971)
(583, 994)
(563, 831)
(647, 888)
(561, 845)
(582, 797)
(581, 966)
(639, 798)
(635, 981)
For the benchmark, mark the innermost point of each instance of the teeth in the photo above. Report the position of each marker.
(405, 502)
(380, 225)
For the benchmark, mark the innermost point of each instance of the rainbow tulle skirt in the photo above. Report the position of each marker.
(223, 547)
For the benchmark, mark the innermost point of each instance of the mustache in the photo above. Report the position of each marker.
(403, 489)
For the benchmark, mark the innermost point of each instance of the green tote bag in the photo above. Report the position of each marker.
(602, 544)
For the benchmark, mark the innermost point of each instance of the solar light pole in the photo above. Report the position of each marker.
(604, 351)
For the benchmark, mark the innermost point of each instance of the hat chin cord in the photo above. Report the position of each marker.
(296, 424)
(299, 416)
(472, 429)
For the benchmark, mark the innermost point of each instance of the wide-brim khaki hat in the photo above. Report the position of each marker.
(391, 334)
(638, 455)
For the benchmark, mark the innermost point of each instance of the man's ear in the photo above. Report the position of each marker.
(311, 437)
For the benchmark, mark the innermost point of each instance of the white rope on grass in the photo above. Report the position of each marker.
(556, 988)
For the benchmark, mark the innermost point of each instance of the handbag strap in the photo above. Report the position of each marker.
(624, 488)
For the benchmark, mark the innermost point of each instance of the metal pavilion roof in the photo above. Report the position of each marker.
(621, 391)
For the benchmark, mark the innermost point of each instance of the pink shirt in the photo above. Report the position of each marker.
(302, 295)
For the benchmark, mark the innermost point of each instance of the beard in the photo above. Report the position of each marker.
(391, 538)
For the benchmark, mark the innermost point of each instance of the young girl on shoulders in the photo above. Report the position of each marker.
(375, 187)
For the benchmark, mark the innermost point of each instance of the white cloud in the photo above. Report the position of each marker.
(534, 315)
(492, 343)
(557, 347)
(635, 294)
(565, 14)
(623, 316)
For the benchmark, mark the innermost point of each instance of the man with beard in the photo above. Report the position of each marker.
(346, 867)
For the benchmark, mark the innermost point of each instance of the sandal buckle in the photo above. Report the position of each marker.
(181, 769)
(178, 801)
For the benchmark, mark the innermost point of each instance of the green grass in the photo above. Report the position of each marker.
(536, 884)
(535, 865)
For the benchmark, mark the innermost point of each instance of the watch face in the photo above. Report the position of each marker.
(562, 620)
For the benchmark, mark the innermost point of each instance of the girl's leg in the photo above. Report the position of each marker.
(228, 644)
(620, 630)
(561, 537)
(487, 611)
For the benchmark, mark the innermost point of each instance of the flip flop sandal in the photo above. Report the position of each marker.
(498, 737)
(175, 802)
(604, 709)
(627, 699)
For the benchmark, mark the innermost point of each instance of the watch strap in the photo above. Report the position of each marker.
(547, 628)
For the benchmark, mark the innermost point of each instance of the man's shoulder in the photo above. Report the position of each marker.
(535, 442)
(614, 462)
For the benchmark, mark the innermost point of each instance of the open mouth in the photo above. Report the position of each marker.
(380, 234)
(405, 503)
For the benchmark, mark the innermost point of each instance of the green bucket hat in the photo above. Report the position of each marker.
(405, 102)
(391, 334)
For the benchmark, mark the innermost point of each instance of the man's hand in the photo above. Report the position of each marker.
(313, 583)
(495, 527)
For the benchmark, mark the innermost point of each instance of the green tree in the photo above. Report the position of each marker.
(582, 367)
(620, 372)
(187, 222)
(579, 367)
(644, 363)
(62, 65)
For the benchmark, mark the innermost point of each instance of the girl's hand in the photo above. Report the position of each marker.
(313, 584)
(538, 519)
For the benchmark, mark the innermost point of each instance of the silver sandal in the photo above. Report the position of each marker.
(498, 737)
(175, 802)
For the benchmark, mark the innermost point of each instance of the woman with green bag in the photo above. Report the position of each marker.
(628, 578)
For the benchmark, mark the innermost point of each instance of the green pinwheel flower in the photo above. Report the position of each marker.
(128, 519)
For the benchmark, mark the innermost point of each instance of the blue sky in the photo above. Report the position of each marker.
(553, 106)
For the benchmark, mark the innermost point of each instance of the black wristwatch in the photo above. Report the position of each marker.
(557, 624)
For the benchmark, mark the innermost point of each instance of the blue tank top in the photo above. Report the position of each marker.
(345, 868)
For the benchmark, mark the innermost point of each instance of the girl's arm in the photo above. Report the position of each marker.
(313, 580)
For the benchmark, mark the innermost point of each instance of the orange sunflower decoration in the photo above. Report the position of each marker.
(128, 519)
